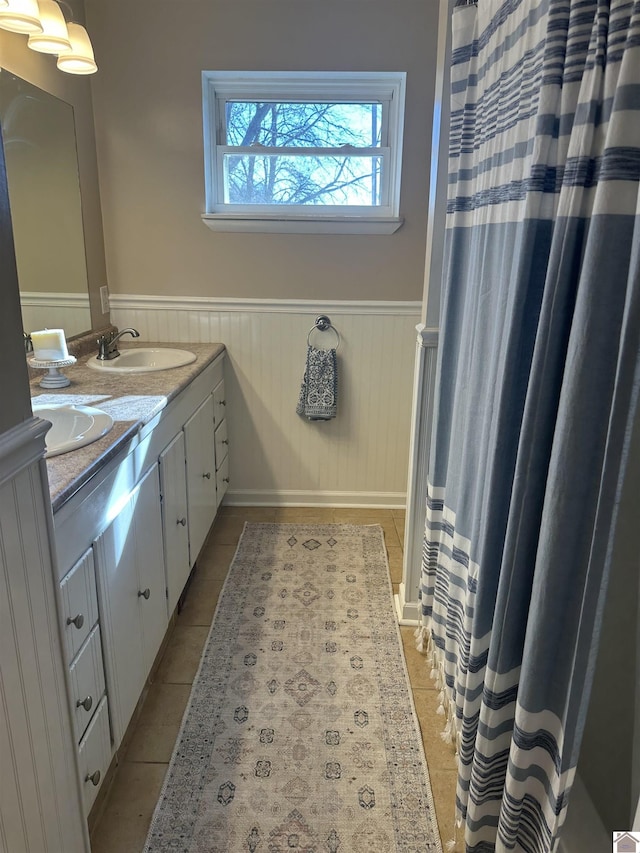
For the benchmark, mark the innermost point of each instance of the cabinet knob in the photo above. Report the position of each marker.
(182, 521)
(85, 703)
(94, 778)
(78, 621)
(225, 479)
(207, 476)
(144, 593)
(222, 402)
(225, 441)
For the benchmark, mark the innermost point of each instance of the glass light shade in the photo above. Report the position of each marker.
(20, 16)
(78, 60)
(54, 37)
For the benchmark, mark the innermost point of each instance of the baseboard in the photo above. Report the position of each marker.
(408, 612)
(356, 500)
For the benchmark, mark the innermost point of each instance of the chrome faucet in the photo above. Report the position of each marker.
(108, 343)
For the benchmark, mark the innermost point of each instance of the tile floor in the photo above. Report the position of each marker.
(123, 819)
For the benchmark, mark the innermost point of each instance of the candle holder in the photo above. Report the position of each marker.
(53, 378)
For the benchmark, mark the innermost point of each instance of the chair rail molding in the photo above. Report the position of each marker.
(21, 446)
(407, 600)
(140, 302)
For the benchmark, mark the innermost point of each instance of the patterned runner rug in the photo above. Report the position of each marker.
(300, 735)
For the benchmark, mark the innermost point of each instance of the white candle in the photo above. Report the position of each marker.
(49, 345)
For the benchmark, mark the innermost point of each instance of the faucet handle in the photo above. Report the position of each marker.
(103, 345)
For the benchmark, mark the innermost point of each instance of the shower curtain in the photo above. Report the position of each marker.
(537, 382)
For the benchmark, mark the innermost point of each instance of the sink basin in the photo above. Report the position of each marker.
(72, 426)
(144, 360)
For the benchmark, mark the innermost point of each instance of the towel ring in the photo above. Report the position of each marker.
(323, 324)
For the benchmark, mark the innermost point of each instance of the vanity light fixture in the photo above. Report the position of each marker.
(20, 16)
(50, 32)
(54, 37)
(78, 60)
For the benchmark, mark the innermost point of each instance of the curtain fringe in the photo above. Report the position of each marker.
(446, 706)
(421, 634)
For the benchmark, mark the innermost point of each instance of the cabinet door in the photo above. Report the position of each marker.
(152, 590)
(175, 533)
(131, 580)
(201, 475)
(120, 614)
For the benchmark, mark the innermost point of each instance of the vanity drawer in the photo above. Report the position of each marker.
(222, 480)
(87, 682)
(222, 443)
(94, 755)
(79, 604)
(219, 403)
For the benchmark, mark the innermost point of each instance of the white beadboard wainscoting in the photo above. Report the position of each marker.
(55, 311)
(40, 803)
(276, 457)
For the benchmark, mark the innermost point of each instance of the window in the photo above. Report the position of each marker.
(314, 152)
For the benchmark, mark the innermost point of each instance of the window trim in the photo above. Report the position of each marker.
(388, 87)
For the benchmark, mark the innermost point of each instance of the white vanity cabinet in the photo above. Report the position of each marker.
(131, 578)
(125, 543)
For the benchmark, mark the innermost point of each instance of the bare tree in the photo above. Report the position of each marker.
(272, 177)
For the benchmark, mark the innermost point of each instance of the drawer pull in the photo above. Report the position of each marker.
(85, 703)
(94, 778)
(182, 521)
(78, 621)
(207, 476)
(144, 593)
(225, 479)
(225, 441)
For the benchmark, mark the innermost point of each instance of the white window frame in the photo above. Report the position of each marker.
(387, 88)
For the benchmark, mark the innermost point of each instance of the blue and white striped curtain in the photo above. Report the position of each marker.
(537, 384)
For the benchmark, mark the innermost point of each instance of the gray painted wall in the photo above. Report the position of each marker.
(610, 755)
(148, 106)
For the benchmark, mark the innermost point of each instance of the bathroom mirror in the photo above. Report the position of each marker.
(46, 210)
